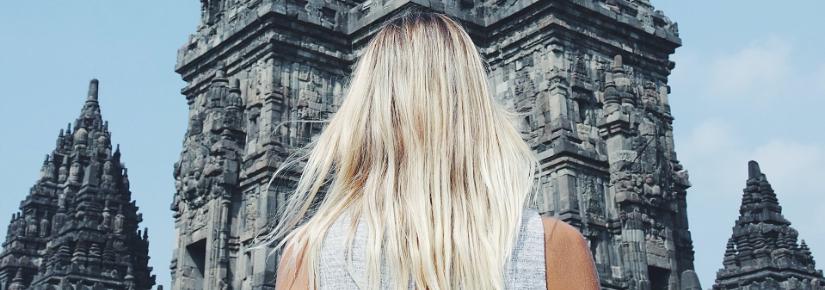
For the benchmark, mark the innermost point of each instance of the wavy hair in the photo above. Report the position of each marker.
(422, 154)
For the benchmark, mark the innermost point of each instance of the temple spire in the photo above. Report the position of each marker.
(759, 202)
(56, 212)
(763, 245)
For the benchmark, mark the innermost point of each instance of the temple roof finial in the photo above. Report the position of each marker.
(220, 73)
(93, 84)
(753, 170)
(617, 62)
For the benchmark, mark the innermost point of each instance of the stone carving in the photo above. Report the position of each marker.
(106, 216)
(74, 172)
(251, 212)
(31, 225)
(44, 227)
(656, 233)
(650, 96)
(595, 204)
(107, 179)
(118, 223)
(653, 192)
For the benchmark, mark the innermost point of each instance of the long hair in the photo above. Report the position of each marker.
(423, 155)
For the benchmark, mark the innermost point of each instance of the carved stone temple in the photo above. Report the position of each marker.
(763, 252)
(590, 77)
(78, 226)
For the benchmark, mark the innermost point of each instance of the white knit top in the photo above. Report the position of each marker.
(525, 270)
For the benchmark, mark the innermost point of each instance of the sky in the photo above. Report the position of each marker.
(749, 84)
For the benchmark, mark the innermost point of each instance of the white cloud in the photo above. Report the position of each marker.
(712, 153)
(710, 136)
(760, 69)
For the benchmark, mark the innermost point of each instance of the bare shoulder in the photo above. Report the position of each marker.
(291, 274)
(558, 231)
(569, 263)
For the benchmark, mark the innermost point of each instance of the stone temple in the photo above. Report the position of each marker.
(763, 252)
(78, 226)
(589, 76)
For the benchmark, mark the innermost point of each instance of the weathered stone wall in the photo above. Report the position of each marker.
(589, 78)
(603, 130)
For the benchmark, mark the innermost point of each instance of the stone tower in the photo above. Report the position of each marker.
(589, 76)
(763, 252)
(78, 227)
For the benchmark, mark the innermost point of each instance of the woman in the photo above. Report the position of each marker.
(426, 181)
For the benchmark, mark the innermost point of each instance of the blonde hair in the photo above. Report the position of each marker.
(423, 155)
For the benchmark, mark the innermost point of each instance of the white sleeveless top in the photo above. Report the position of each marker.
(525, 270)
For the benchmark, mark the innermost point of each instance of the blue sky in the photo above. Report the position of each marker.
(749, 84)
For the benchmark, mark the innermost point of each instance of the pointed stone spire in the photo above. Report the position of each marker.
(759, 202)
(618, 86)
(90, 117)
(62, 231)
(763, 247)
(581, 75)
